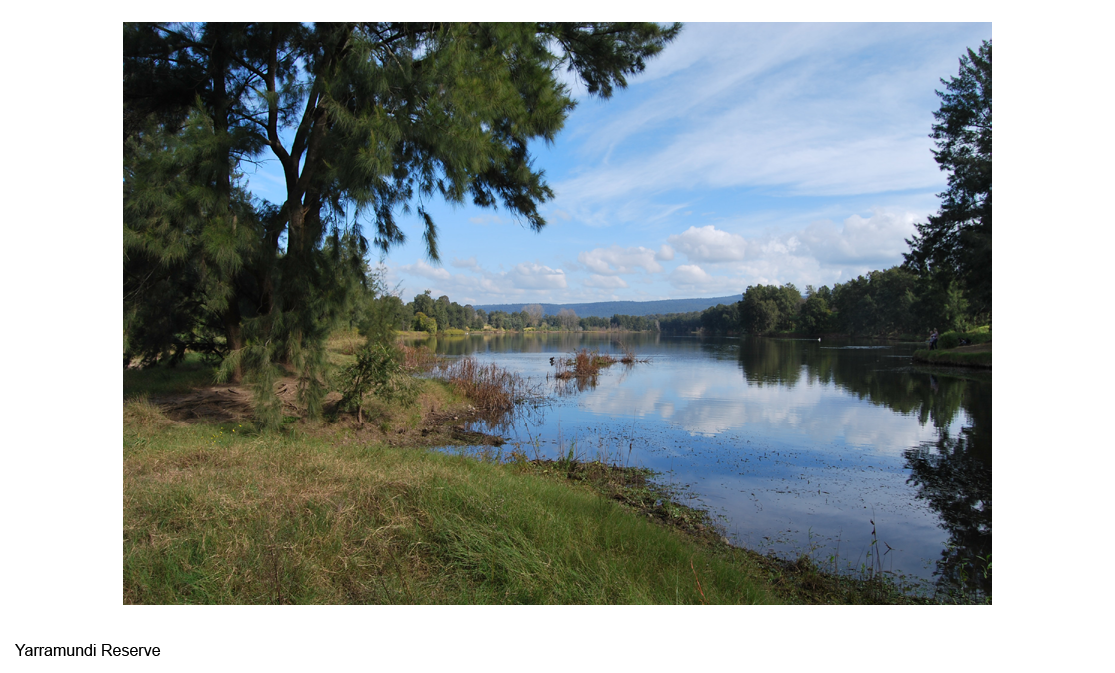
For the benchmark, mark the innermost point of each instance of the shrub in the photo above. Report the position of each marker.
(377, 371)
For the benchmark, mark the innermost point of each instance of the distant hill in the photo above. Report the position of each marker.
(606, 309)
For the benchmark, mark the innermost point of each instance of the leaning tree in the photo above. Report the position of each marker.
(368, 121)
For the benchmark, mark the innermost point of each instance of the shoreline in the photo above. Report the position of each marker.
(977, 356)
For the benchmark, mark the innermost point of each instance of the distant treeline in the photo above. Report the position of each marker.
(891, 302)
(426, 314)
(604, 309)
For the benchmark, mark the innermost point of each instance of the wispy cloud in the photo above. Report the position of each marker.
(801, 110)
(745, 154)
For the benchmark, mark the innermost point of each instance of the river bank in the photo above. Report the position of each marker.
(340, 512)
(977, 355)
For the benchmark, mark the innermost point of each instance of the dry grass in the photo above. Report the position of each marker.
(583, 364)
(418, 359)
(491, 388)
(140, 413)
(346, 342)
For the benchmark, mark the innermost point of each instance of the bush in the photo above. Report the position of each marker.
(377, 371)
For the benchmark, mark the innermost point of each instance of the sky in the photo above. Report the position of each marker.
(744, 154)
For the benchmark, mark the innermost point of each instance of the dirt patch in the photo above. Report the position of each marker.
(226, 403)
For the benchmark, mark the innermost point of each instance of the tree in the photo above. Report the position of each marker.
(367, 120)
(568, 318)
(958, 238)
(534, 313)
(816, 316)
(765, 308)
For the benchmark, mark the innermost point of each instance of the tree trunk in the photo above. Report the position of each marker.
(235, 340)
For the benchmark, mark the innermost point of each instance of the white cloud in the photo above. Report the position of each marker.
(878, 239)
(709, 244)
(664, 254)
(617, 260)
(605, 282)
(536, 277)
(421, 268)
(690, 274)
(821, 253)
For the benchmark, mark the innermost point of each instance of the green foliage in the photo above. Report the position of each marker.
(377, 371)
(952, 339)
(879, 303)
(720, 319)
(424, 323)
(957, 239)
(816, 317)
(187, 241)
(769, 308)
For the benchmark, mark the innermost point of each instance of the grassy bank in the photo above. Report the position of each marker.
(216, 512)
(220, 514)
(954, 357)
(962, 349)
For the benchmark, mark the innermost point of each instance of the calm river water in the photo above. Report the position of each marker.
(799, 445)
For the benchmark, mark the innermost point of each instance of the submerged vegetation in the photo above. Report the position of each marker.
(583, 364)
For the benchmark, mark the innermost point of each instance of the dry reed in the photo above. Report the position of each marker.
(490, 387)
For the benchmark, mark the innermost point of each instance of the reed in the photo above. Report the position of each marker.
(583, 364)
(490, 387)
(417, 359)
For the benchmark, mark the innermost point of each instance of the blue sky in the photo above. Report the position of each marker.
(745, 154)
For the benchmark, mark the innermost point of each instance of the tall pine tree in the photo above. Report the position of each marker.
(957, 240)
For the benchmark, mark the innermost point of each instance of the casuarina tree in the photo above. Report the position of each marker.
(368, 121)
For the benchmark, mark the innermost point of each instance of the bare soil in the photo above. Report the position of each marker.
(226, 403)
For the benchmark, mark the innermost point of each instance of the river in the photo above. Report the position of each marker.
(844, 450)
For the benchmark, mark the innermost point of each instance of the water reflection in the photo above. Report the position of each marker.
(953, 475)
(798, 444)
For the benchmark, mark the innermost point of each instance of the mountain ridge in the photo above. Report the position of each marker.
(606, 309)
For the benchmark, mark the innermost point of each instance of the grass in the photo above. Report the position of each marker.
(950, 351)
(417, 359)
(193, 372)
(221, 514)
(953, 339)
(944, 357)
